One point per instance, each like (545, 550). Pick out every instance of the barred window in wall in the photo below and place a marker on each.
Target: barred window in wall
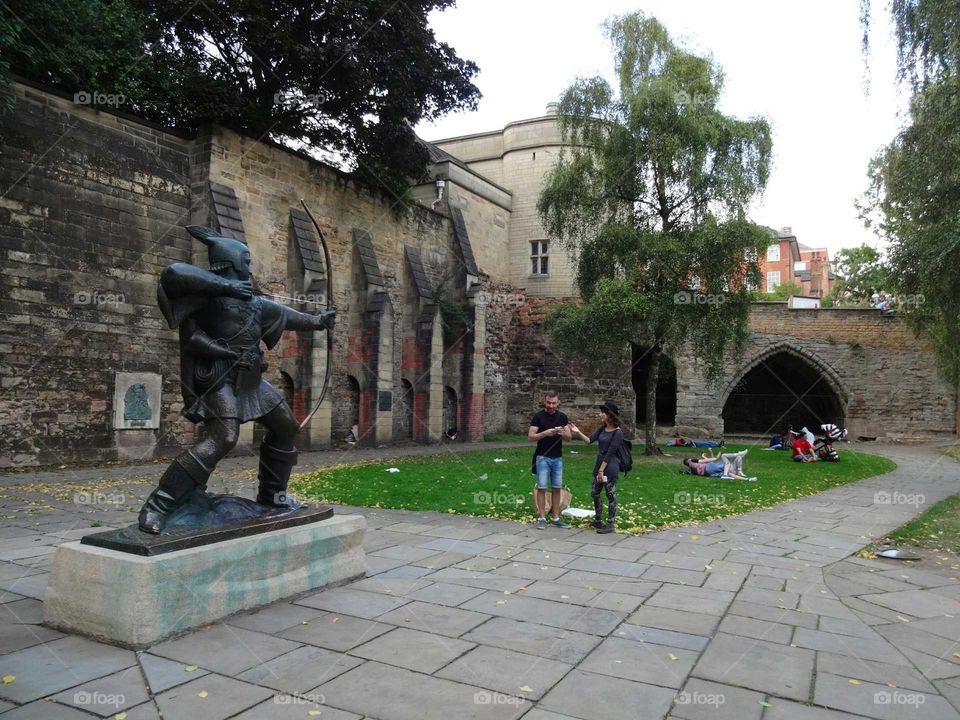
(539, 257)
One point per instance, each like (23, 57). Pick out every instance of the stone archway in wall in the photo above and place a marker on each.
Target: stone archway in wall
(666, 386)
(784, 386)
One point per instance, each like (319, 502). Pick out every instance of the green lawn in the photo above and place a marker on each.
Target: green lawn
(654, 495)
(937, 528)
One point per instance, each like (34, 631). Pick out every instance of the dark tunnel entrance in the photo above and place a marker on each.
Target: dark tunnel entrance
(783, 390)
(666, 387)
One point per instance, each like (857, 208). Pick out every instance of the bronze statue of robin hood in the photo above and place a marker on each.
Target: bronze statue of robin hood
(222, 324)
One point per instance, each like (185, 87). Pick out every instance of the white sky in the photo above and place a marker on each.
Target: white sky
(799, 65)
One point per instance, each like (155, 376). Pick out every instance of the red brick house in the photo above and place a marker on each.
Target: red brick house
(788, 261)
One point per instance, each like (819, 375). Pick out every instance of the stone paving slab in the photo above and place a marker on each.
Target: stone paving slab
(705, 700)
(566, 646)
(436, 619)
(213, 697)
(881, 701)
(757, 665)
(589, 695)
(641, 661)
(506, 671)
(224, 649)
(337, 632)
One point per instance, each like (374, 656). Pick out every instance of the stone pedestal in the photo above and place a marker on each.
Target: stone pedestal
(136, 601)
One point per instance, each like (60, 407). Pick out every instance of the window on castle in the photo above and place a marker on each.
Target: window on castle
(539, 257)
(773, 253)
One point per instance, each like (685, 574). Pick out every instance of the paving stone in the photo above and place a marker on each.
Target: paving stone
(108, 695)
(480, 563)
(224, 649)
(873, 648)
(785, 710)
(590, 580)
(337, 632)
(618, 602)
(454, 532)
(950, 689)
(590, 695)
(506, 539)
(224, 698)
(918, 603)
(943, 627)
(774, 598)
(932, 667)
(407, 572)
(546, 612)
(441, 560)
(375, 565)
(454, 545)
(408, 527)
(565, 646)
(274, 618)
(406, 553)
(289, 707)
(882, 673)
(608, 567)
(348, 601)
(772, 614)
(529, 571)
(146, 711)
(765, 582)
(487, 581)
(54, 666)
(438, 619)
(608, 552)
(545, 557)
(405, 695)
(398, 587)
(506, 671)
(16, 636)
(692, 599)
(163, 674)
(659, 636)
(560, 593)
(917, 577)
(641, 661)
(656, 573)
(676, 620)
(555, 545)
(424, 652)
(839, 626)
(43, 710)
(299, 670)
(33, 585)
(758, 665)
(880, 701)
(704, 700)
(538, 714)
(446, 594)
(759, 629)
(731, 582)
(11, 571)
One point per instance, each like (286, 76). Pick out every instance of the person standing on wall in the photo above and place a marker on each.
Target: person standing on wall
(549, 428)
(609, 438)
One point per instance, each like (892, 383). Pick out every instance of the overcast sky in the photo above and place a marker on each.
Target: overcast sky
(799, 65)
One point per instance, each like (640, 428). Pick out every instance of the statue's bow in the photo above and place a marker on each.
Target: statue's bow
(329, 268)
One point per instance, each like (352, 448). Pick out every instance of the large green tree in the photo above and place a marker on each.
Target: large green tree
(348, 78)
(859, 271)
(650, 194)
(914, 194)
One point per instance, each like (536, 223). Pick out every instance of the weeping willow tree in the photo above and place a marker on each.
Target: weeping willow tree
(913, 199)
(650, 195)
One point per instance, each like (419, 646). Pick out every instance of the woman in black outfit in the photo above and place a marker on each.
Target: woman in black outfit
(609, 438)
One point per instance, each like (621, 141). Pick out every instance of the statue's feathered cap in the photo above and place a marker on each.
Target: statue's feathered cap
(222, 252)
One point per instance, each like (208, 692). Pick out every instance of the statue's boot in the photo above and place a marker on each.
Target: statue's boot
(182, 476)
(275, 467)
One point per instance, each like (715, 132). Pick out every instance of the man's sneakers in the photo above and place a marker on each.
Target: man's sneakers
(556, 522)
(606, 529)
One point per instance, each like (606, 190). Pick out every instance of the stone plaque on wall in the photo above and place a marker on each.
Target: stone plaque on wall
(136, 401)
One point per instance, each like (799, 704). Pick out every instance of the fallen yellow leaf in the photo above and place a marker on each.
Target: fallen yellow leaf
(853, 682)
(313, 713)
(672, 656)
(7, 679)
(202, 693)
(526, 688)
(190, 668)
(120, 716)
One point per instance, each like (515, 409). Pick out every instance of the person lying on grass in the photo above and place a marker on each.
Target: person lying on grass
(728, 466)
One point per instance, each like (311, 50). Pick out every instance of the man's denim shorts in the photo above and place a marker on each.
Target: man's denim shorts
(549, 472)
